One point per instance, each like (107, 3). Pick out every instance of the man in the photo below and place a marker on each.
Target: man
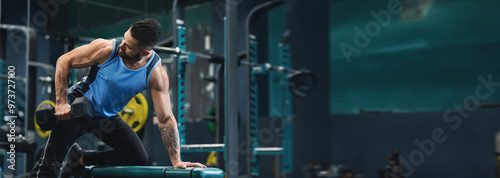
(120, 69)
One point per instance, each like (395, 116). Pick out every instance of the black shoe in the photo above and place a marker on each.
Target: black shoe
(71, 162)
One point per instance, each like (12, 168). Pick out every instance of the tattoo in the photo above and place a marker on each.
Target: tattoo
(170, 139)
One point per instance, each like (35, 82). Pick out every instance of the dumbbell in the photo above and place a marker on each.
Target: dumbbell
(82, 111)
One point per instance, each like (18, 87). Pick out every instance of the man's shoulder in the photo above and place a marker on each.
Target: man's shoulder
(104, 42)
(158, 76)
(103, 48)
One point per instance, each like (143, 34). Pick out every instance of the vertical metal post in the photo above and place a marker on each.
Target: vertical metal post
(179, 96)
(28, 99)
(177, 19)
(285, 60)
(219, 102)
(28, 35)
(2, 62)
(231, 75)
(181, 86)
(178, 8)
(1, 11)
(251, 49)
(2, 83)
(254, 113)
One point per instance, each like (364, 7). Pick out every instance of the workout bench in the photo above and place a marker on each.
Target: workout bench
(149, 171)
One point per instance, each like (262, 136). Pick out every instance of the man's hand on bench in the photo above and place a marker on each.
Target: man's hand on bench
(183, 165)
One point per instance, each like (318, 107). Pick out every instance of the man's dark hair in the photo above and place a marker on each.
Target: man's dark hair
(147, 32)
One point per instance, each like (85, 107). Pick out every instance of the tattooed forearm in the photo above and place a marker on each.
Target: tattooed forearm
(170, 139)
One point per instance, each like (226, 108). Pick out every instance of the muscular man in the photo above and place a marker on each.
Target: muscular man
(120, 69)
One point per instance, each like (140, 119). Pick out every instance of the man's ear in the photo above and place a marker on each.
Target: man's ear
(146, 52)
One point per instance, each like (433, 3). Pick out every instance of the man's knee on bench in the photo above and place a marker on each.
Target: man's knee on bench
(141, 160)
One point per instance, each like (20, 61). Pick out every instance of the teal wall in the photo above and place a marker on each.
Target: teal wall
(64, 16)
(415, 66)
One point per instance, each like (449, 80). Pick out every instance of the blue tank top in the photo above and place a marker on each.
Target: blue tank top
(111, 85)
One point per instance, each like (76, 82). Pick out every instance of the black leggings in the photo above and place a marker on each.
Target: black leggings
(127, 147)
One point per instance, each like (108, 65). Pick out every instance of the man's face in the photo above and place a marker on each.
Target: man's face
(129, 49)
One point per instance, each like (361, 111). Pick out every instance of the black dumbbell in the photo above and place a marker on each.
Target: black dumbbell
(82, 111)
(45, 117)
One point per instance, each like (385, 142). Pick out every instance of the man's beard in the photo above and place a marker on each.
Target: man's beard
(136, 57)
